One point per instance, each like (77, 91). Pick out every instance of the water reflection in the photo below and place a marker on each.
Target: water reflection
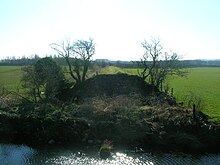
(23, 155)
(137, 159)
(15, 154)
(83, 159)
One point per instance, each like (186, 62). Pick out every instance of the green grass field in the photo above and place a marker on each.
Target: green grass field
(115, 70)
(10, 77)
(201, 82)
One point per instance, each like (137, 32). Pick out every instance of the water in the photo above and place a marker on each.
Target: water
(22, 155)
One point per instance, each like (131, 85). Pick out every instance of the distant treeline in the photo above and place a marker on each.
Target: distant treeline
(24, 61)
(200, 63)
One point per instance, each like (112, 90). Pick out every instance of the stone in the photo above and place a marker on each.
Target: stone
(51, 141)
(104, 153)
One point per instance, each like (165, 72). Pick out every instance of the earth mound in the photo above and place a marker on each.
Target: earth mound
(113, 85)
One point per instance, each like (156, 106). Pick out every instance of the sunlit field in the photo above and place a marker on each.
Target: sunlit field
(202, 83)
(10, 77)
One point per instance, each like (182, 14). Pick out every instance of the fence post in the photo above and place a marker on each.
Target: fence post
(194, 111)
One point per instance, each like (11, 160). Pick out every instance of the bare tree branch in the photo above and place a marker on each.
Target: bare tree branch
(157, 65)
(80, 52)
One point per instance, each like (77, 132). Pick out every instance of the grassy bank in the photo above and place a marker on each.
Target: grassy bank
(125, 121)
(202, 83)
(121, 108)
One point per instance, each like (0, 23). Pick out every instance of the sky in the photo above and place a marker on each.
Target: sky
(189, 27)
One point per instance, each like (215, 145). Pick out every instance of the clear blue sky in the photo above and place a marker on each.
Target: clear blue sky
(189, 27)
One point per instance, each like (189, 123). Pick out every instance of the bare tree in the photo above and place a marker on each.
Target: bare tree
(157, 65)
(77, 56)
(84, 50)
(150, 58)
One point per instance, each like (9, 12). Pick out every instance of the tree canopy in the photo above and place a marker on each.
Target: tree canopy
(43, 80)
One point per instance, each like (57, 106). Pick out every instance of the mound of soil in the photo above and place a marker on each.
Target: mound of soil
(114, 85)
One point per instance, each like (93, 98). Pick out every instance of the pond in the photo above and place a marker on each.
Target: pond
(22, 155)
